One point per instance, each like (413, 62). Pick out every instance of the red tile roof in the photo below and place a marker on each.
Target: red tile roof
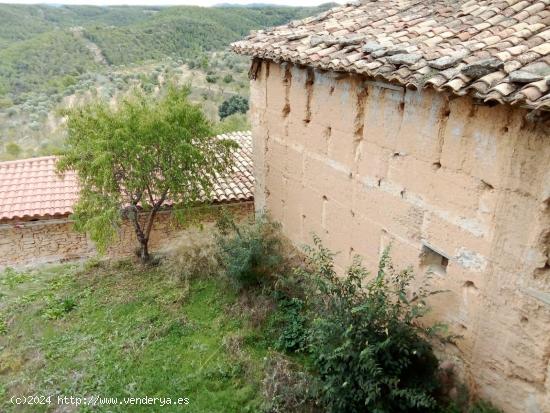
(495, 50)
(31, 188)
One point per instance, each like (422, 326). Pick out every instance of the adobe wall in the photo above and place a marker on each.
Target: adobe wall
(364, 164)
(37, 242)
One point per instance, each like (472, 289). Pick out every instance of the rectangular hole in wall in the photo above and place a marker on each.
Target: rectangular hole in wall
(433, 261)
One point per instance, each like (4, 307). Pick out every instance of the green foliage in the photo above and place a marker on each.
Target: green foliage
(13, 149)
(365, 344)
(58, 307)
(44, 63)
(228, 78)
(3, 326)
(11, 278)
(235, 104)
(211, 78)
(291, 319)
(39, 51)
(251, 254)
(137, 157)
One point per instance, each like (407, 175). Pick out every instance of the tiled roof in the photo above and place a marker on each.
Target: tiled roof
(495, 50)
(31, 188)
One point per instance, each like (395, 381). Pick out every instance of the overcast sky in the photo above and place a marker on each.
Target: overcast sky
(171, 2)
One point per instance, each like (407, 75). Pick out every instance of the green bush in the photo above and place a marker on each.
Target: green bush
(235, 104)
(251, 254)
(368, 351)
(291, 320)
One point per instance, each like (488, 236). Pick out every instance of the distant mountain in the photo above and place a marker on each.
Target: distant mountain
(44, 48)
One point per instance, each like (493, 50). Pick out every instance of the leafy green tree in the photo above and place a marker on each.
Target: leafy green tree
(134, 159)
(235, 104)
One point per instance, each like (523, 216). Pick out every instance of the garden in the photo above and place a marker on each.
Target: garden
(231, 319)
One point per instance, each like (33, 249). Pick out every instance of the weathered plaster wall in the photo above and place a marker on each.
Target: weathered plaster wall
(363, 164)
(38, 242)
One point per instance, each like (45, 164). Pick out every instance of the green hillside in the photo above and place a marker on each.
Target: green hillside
(38, 49)
(49, 61)
(64, 56)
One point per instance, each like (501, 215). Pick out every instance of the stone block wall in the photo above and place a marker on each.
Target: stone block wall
(460, 191)
(33, 243)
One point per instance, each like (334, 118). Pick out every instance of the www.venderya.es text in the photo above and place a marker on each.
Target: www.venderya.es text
(96, 400)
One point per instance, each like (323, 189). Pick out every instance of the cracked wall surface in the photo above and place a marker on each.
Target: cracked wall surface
(365, 164)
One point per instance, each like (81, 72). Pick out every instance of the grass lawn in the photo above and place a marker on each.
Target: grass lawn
(121, 331)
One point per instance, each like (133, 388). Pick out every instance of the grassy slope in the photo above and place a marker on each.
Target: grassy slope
(131, 333)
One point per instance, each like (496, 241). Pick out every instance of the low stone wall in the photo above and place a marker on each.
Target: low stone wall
(33, 243)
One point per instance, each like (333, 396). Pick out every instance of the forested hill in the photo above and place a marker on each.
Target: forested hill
(44, 48)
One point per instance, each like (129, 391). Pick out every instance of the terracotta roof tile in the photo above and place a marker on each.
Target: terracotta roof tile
(31, 188)
(365, 37)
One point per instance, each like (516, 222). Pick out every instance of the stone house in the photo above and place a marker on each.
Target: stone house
(36, 206)
(424, 125)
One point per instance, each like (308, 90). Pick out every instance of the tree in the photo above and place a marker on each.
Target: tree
(134, 159)
(235, 104)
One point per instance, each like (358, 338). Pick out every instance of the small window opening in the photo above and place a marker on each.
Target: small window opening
(433, 261)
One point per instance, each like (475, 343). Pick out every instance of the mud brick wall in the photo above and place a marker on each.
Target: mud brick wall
(460, 191)
(34, 243)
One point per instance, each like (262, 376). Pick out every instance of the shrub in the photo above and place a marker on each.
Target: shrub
(365, 344)
(211, 78)
(251, 254)
(291, 320)
(235, 104)
(228, 78)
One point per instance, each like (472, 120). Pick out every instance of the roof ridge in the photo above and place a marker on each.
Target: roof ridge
(28, 160)
(417, 44)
